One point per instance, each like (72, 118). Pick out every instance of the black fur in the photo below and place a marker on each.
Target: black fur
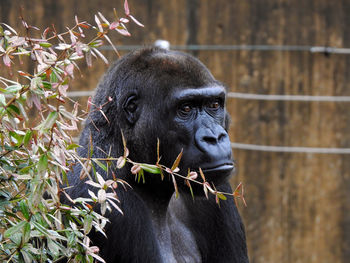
(171, 96)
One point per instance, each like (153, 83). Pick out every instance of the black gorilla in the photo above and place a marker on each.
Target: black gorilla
(171, 96)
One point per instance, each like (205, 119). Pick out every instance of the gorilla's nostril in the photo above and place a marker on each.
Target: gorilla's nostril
(210, 139)
(222, 136)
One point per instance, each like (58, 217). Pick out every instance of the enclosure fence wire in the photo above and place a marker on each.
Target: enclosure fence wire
(251, 96)
(312, 49)
(270, 97)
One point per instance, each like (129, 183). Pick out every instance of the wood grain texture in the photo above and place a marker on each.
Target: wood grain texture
(298, 204)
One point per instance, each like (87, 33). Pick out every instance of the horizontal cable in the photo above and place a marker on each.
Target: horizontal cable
(312, 49)
(85, 93)
(250, 96)
(289, 149)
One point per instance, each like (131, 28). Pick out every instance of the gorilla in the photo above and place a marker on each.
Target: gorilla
(172, 97)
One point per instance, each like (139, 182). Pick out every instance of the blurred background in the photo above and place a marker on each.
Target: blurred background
(292, 150)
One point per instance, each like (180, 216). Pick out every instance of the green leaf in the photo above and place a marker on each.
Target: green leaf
(45, 44)
(221, 196)
(104, 167)
(49, 122)
(26, 256)
(42, 164)
(14, 109)
(153, 169)
(53, 77)
(53, 247)
(27, 137)
(26, 169)
(24, 209)
(16, 238)
(48, 233)
(17, 138)
(15, 229)
(26, 232)
(2, 100)
(141, 174)
(72, 146)
(13, 88)
(87, 224)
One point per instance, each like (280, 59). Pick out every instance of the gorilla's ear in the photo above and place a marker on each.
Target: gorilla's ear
(227, 121)
(130, 107)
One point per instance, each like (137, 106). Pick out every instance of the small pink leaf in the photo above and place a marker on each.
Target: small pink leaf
(88, 58)
(121, 162)
(193, 175)
(124, 20)
(98, 22)
(104, 115)
(69, 70)
(114, 25)
(63, 90)
(103, 18)
(136, 21)
(175, 186)
(100, 55)
(126, 8)
(7, 60)
(110, 42)
(135, 169)
(73, 38)
(123, 31)
(36, 101)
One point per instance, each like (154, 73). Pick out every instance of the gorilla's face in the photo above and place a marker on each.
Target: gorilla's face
(182, 105)
(197, 124)
(191, 120)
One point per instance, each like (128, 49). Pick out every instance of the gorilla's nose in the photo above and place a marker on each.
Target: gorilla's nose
(214, 142)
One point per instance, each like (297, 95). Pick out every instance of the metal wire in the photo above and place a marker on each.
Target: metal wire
(251, 96)
(312, 49)
(289, 149)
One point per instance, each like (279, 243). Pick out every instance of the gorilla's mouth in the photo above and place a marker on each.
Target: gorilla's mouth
(224, 169)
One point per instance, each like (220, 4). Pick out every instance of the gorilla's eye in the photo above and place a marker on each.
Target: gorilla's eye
(131, 107)
(130, 104)
(186, 108)
(214, 105)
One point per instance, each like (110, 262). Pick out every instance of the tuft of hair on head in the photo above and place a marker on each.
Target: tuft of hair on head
(164, 44)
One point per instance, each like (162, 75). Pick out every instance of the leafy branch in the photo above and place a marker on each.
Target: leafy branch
(36, 152)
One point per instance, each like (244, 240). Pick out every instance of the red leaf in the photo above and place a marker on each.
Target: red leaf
(177, 161)
(45, 32)
(84, 25)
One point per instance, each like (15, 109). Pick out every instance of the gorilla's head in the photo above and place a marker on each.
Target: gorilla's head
(170, 96)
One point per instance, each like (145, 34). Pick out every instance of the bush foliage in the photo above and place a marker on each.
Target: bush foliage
(37, 153)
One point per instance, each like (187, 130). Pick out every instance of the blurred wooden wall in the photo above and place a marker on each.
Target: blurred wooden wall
(298, 203)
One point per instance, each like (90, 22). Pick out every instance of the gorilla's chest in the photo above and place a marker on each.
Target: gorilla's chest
(175, 240)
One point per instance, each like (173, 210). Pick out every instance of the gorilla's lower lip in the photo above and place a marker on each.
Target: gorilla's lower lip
(222, 168)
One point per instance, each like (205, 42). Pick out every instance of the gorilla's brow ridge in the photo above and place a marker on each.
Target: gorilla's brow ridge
(205, 92)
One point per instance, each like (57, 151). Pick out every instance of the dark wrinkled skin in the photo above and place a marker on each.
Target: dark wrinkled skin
(171, 96)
